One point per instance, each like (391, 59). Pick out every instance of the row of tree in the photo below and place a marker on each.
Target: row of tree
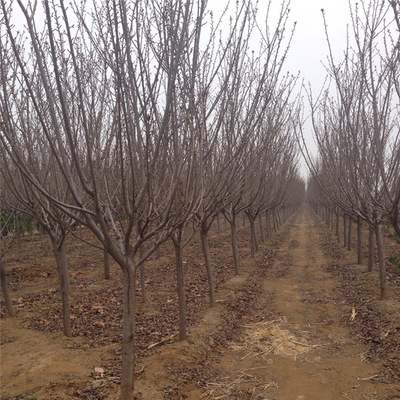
(356, 123)
(139, 120)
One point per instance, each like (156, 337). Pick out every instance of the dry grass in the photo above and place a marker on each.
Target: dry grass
(270, 338)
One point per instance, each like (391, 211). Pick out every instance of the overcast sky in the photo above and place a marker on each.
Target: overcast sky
(309, 47)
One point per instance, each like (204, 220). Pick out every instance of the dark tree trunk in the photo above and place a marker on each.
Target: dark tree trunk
(261, 228)
(349, 235)
(337, 226)
(359, 241)
(128, 331)
(142, 275)
(279, 219)
(269, 227)
(207, 260)
(235, 251)
(371, 244)
(63, 275)
(345, 230)
(274, 221)
(177, 240)
(6, 293)
(142, 269)
(381, 256)
(253, 236)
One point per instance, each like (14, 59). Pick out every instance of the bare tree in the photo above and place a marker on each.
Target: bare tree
(106, 114)
(54, 222)
(355, 130)
(111, 90)
(7, 231)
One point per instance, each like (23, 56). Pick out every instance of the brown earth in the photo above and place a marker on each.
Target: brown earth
(301, 322)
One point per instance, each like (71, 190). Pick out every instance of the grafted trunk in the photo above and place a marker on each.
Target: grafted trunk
(359, 241)
(128, 331)
(381, 256)
(235, 251)
(207, 260)
(106, 264)
(370, 248)
(6, 293)
(177, 240)
(63, 276)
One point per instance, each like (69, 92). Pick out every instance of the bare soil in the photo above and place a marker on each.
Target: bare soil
(301, 322)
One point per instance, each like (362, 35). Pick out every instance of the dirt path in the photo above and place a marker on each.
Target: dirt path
(304, 352)
(291, 344)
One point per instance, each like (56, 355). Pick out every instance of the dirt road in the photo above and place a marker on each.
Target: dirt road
(290, 344)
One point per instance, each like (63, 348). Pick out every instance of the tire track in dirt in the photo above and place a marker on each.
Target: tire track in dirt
(300, 350)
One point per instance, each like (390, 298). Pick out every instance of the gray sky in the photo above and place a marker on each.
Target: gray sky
(309, 48)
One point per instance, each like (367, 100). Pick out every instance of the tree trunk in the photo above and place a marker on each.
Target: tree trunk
(128, 329)
(261, 229)
(218, 224)
(235, 251)
(207, 260)
(253, 237)
(269, 227)
(274, 221)
(381, 256)
(142, 275)
(279, 219)
(6, 293)
(345, 230)
(337, 226)
(349, 236)
(180, 285)
(63, 276)
(141, 268)
(106, 264)
(370, 248)
(359, 241)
